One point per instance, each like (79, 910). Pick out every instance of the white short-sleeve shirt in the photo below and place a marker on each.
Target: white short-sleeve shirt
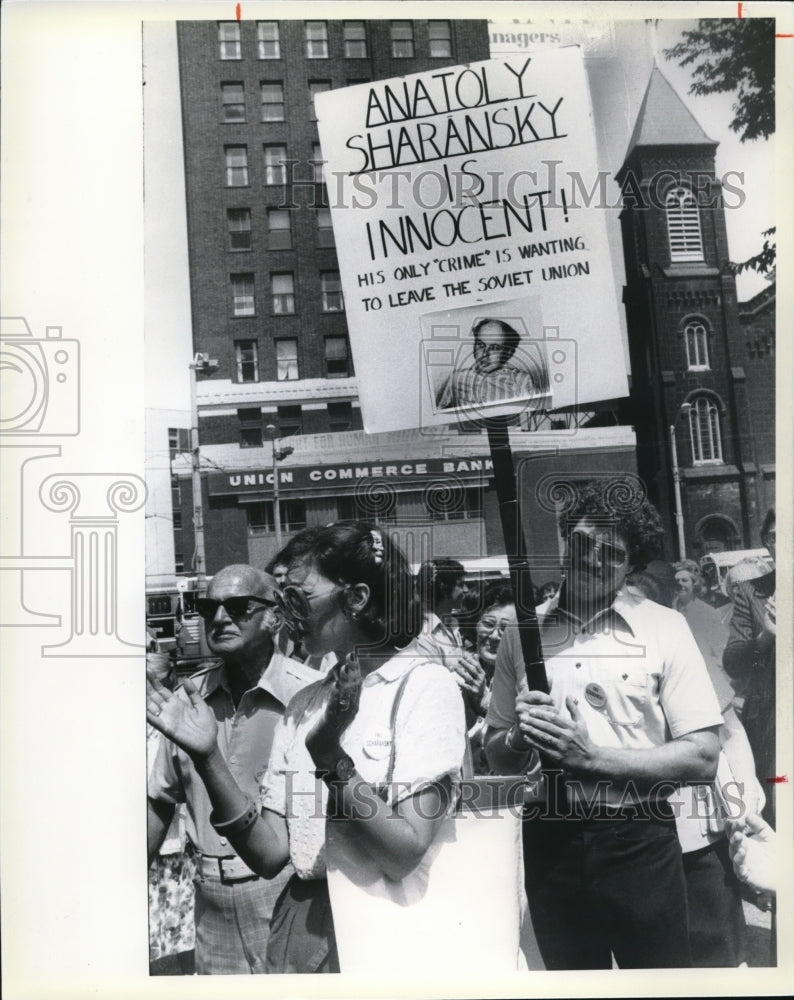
(429, 744)
(634, 672)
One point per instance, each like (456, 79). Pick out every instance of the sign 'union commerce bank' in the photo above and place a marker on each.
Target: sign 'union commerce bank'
(306, 477)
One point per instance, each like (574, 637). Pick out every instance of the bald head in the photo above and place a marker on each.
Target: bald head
(240, 578)
(243, 640)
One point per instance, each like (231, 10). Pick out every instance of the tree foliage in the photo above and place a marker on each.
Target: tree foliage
(734, 55)
(763, 262)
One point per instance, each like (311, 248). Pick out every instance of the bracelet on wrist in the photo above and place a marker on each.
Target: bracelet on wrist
(247, 818)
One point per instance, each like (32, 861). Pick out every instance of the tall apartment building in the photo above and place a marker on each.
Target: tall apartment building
(266, 297)
(267, 304)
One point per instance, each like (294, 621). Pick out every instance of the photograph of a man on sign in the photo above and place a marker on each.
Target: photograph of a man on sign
(499, 370)
(480, 357)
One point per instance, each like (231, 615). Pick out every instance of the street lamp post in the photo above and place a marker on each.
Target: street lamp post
(278, 455)
(206, 365)
(679, 513)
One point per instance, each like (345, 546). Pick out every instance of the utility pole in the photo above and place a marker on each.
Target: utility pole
(679, 513)
(206, 366)
(278, 455)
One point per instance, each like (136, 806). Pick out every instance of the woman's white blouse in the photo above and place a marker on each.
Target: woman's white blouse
(429, 745)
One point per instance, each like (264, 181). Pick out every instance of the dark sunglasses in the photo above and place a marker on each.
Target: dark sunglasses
(237, 608)
(293, 602)
(587, 547)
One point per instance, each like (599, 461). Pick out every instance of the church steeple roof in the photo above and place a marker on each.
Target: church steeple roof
(664, 119)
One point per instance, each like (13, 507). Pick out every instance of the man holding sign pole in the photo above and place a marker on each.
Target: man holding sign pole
(631, 713)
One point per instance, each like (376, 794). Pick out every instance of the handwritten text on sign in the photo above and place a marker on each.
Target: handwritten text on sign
(450, 190)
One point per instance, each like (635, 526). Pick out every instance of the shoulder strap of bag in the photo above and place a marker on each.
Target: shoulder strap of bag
(467, 765)
(393, 721)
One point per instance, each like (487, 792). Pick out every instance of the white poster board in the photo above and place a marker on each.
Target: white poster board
(477, 279)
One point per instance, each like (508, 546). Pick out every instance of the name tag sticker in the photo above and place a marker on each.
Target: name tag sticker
(595, 695)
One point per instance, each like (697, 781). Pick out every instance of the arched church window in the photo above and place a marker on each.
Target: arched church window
(704, 430)
(696, 343)
(683, 225)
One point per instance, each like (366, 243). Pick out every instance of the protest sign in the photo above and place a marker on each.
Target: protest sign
(475, 281)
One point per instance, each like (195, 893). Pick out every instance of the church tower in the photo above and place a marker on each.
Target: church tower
(689, 397)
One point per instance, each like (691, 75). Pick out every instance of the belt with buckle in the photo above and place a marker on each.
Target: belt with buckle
(232, 869)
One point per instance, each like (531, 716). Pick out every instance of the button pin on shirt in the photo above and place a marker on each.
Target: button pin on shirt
(377, 745)
(595, 695)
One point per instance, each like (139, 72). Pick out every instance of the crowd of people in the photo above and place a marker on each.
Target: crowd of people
(319, 757)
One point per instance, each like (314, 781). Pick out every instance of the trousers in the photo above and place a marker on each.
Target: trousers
(233, 923)
(604, 887)
(717, 929)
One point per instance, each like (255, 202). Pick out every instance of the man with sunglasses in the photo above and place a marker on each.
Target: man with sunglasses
(247, 688)
(631, 713)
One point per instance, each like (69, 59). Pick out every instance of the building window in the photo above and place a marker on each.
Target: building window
(316, 39)
(704, 431)
(238, 221)
(317, 163)
(272, 101)
(697, 346)
(290, 421)
(282, 287)
(236, 166)
(316, 87)
(287, 360)
(355, 37)
(246, 354)
(325, 231)
(340, 417)
(683, 225)
(229, 40)
(440, 33)
(260, 516)
(402, 39)
(250, 427)
(453, 503)
(279, 229)
(275, 167)
(268, 41)
(336, 365)
(233, 97)
(178, 441)
(331, 292)
(242, 295)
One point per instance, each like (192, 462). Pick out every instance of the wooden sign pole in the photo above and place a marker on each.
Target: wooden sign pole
(515, 548)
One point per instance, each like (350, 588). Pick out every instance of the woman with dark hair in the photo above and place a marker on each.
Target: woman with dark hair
(375, 748)
(498, 614)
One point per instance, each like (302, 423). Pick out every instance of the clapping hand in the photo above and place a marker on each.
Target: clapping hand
(189, 724)
(469, 675)
(341, 705)
(752, 847)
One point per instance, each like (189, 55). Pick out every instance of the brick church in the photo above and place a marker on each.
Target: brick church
(702, 364)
